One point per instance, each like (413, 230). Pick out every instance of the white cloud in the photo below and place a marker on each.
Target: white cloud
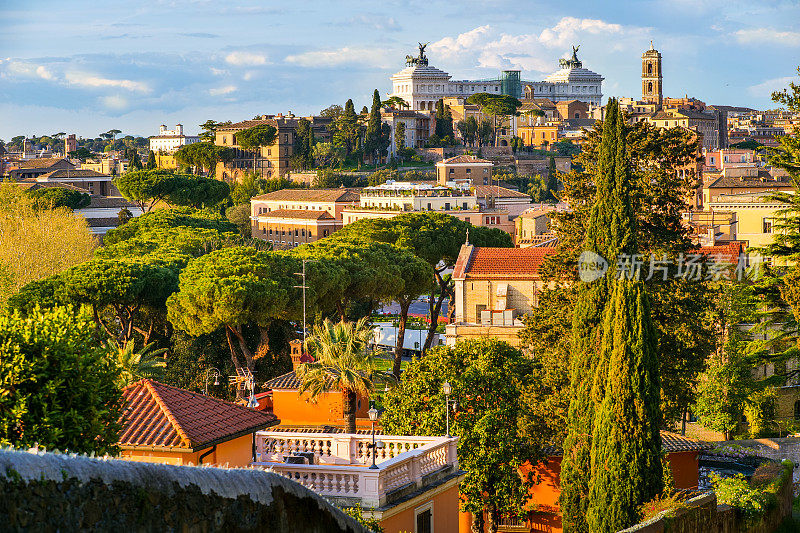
(115, 102)
(88, 80)
(768, 35)
(218, 71)
(219, 91)
(530, 51)
(375, 21)
(21, 68)
(568, 29)
(374, 57)
(766, 88)
(245, 59)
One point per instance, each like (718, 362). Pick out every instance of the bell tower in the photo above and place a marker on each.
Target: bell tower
(651, 76)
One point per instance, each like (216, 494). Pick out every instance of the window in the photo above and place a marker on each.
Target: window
(766, 226)
(424, 518)
(452, 171)
(465, 205)
(324, 233)
(466, 219)
(469, 171)
(797, 410)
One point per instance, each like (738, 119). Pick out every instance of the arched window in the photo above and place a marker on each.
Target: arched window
(650, 88)
(797, 410)
(649, 68)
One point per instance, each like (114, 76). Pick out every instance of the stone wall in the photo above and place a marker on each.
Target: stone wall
(702, 514)
(48, 492)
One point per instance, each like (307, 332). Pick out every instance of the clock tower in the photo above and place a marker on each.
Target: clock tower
(651, 76)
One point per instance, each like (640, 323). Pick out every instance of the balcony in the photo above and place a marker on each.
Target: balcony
(336, 465)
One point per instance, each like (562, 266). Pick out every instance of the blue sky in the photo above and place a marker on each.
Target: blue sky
(86, 67)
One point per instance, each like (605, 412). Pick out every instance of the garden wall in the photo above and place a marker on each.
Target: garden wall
(48, 492)
(702, 514)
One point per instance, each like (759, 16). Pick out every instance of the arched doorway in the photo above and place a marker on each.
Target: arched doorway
(503, 143)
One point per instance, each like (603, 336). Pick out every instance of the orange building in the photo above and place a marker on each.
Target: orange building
(164, 424)
(294, 409)
(682, 454)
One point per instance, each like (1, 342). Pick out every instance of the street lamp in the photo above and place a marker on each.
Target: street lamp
(216, 375)
(373, 416)
(447, 390)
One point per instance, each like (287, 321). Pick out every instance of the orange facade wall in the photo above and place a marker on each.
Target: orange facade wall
(544, 496)
(294, 410)
(235, 453)
(445, 514)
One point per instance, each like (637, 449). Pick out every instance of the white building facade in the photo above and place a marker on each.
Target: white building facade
(422, 85)
(171, 140)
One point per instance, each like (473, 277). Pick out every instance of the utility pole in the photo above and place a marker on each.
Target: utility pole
(304, 287)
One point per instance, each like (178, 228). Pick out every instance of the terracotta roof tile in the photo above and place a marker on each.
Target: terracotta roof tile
(736, 182)
(728, 253)
(161, 416)
(311, 195)
(500, 262)
(305, 214)
(44, 162)
(464, 159)
(670, 443)
(73, 173)
(498, 192)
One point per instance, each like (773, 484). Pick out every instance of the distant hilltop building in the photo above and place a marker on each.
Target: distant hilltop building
(171, 140)
(422, 85)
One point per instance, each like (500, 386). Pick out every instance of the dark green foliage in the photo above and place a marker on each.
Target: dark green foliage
(257, 136)
(239, 215)
(304, 141)
(373, 142)
(151, 161)
(146, 188)
(346, 130)
(203, 156)
(44, 293)
(488, 379)
(468, 128)
(552, 180)
(53, 197)
(566, 148)
(169, 218)
(400, 137)
(57, 383)
(198, 192)
(231, 288)
(626, 444)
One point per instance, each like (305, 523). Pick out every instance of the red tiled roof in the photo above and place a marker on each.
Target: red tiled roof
(163, 417)
(464, 159)
(500, 262)
(729, 253)
(498, 192)
(311, 195)
(43, 162)
(670, 443)
(304, 214)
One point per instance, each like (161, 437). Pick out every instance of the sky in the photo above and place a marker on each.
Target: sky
(87, 67)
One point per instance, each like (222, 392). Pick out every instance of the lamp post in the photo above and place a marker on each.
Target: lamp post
(216, 375)
(447, 390)
(373, 416)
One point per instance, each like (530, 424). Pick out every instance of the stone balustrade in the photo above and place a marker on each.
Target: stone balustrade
(341, 462)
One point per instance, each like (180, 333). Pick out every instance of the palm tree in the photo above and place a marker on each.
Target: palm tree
(146, 363)
(343, 361)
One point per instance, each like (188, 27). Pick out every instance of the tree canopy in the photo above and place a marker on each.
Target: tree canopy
(257, 136)
(52, 197)
(230, 288)
(488, 379)
(58, 384)
(203, 156)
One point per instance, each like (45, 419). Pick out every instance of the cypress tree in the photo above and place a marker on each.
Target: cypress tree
(372, 138)
(447, 124)
(552, 180)
(151, 161)
(626, 467)
(439, 118)
(608, 234)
